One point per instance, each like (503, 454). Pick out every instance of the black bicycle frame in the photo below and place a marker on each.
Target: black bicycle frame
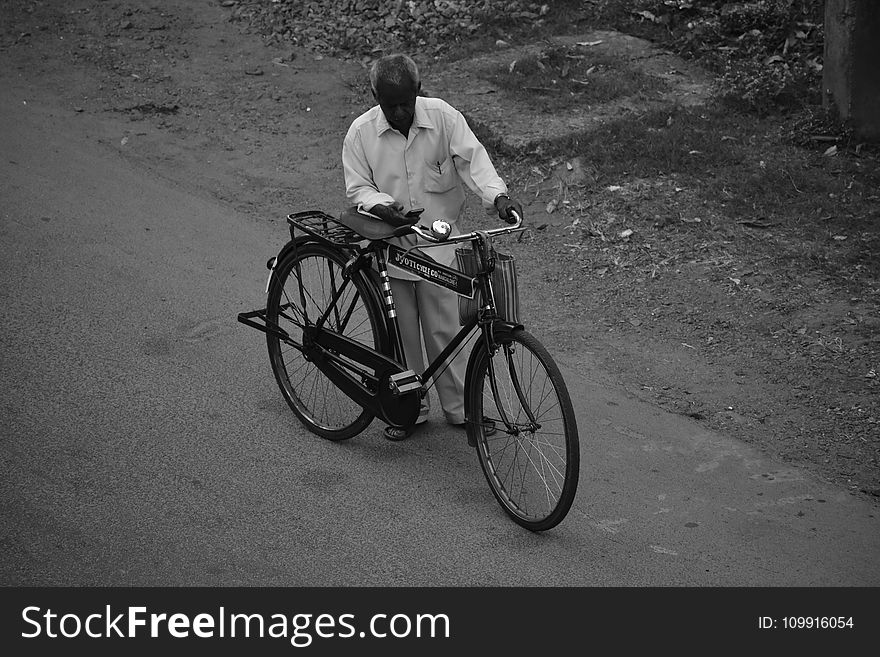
(367, 375)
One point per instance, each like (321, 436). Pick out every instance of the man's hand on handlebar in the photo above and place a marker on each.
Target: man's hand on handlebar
(393, 214)
(506, 207)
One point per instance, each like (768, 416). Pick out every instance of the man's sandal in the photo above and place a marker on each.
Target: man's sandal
(397, 434)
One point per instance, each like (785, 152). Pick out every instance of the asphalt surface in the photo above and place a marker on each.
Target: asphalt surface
(144, 441)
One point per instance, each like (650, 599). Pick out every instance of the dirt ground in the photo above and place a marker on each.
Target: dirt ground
(784, 362)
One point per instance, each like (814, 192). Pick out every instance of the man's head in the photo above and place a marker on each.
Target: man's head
(394, 80)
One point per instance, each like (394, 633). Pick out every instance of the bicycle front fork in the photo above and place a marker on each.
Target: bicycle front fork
(507, 349)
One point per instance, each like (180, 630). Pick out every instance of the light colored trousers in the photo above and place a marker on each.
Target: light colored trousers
(428, 315)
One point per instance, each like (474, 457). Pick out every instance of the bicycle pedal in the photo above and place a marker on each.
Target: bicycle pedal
(404, 382)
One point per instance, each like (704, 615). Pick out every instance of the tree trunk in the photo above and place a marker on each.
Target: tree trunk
(851, 74)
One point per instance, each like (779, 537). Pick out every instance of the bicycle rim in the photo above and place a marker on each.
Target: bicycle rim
(532, 462)
(322, 407)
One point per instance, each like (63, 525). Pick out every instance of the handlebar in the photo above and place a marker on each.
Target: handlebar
(426, 233)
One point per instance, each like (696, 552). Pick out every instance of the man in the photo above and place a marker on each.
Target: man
(415, 152)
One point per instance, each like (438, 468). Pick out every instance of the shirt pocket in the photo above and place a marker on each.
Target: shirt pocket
(440, 176)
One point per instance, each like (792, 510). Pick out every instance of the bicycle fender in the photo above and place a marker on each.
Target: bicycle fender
(503, 327)
(272, 263)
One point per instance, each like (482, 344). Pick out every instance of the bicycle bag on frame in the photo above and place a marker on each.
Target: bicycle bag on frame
(504, 285)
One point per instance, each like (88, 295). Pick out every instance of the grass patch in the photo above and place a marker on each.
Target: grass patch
(681, 141)
(562, 77)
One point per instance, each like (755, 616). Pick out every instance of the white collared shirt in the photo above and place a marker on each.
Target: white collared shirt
(426, 169)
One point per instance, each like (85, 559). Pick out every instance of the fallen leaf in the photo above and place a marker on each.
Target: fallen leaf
(551, 206)
(831, 152)
(646, 14)
(626, 233)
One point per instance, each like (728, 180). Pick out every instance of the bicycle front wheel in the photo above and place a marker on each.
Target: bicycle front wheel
(305, 283)
(527, 441)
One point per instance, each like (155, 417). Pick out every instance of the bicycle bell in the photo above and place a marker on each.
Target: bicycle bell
(441, 229)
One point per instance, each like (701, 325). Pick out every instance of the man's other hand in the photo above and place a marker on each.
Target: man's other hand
(506, 207)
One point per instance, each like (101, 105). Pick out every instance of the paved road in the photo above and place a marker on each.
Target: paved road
(144, 441)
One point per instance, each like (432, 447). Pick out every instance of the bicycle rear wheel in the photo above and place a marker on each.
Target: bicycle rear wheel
(305, 282)
(532, 461)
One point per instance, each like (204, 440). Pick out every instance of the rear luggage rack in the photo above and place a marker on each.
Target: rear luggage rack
(323, 226)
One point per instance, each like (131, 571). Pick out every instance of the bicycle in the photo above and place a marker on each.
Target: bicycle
(336, 353)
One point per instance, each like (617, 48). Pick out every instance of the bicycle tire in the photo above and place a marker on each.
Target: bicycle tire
(322, 407)
(532, 469)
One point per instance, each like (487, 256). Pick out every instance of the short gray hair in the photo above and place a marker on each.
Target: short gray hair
(394, 69)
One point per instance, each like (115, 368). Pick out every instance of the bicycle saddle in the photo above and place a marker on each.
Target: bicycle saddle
(369, 225)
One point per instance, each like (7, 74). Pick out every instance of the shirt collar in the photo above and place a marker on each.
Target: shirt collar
(420, 119)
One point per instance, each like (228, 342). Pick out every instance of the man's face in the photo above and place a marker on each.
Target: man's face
(398, 103)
